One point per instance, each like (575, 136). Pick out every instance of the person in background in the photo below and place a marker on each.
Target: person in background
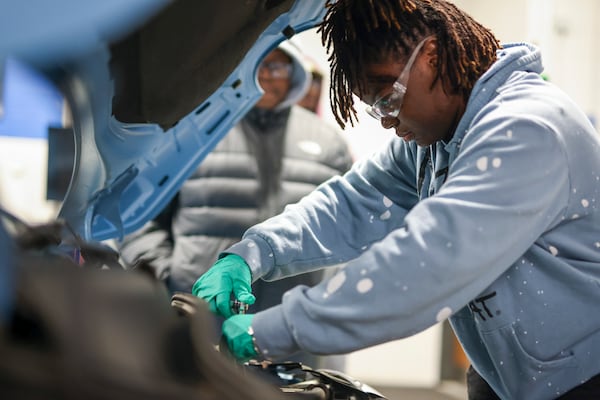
(275, 155)
(312, 99)
(484, 210)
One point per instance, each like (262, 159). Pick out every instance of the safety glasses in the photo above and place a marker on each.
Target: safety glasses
(389, 104)
(276, 69)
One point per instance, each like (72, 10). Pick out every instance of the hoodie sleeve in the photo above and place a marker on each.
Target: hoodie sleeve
(338, 221)
(429, 262)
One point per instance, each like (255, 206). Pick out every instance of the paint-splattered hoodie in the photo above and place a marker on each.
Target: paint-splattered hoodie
(498, 230)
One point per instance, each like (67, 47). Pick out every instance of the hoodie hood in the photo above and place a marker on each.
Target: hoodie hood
(301, 76)
(511, 58)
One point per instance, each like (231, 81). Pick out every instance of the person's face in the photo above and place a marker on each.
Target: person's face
(311, 99)
(425, 113)
(274, 76)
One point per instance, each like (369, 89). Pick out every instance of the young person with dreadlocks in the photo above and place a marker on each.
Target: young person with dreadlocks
(484, 210)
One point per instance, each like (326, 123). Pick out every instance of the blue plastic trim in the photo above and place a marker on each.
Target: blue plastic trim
(125, 174)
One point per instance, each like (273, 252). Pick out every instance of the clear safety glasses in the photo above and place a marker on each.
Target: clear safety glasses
(389, 104)
(276, 69)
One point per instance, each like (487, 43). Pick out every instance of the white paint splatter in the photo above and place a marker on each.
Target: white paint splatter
(364, 285)
(251, 244)
(387, 202)
(482, 163)
(496, 162)
(509, 134)
(270, 254)
(597, 244)
(585, 203)
(553, 250)
(336, 282)
(443, 314)
(385, 216)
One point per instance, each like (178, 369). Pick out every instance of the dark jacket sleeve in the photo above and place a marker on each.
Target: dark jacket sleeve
(152, 244)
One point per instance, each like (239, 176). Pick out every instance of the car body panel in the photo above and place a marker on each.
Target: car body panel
(128, 165)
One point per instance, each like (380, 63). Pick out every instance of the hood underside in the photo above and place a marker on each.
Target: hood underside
(148, 104)
(181, 56)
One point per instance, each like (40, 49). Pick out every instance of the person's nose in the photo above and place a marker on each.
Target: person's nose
(389, 122)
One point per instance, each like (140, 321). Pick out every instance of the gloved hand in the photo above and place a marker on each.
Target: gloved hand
(237, 334)
(229, 274)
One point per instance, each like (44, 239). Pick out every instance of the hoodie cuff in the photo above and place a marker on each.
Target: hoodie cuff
(272, 335)
(257, 253)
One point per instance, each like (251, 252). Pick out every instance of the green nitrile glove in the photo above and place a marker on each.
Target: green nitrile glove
(238, 336)
(229, 274)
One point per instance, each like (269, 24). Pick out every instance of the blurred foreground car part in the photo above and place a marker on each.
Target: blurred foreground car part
(80, 332)
(292, 378)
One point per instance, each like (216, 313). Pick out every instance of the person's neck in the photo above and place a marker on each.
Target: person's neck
(459, 111)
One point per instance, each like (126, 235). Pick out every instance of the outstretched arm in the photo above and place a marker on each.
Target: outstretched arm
(152, 244)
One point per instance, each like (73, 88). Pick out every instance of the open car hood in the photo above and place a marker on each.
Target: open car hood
(152, 85)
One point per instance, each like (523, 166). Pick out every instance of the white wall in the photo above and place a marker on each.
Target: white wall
(23, 166)
(565, 30)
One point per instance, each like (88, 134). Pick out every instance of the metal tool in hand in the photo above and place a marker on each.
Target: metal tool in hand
(238, 307)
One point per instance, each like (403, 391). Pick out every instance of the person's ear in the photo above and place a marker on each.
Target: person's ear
(431, 52)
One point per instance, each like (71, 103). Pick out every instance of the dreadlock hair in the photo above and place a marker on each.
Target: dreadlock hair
(356, 32)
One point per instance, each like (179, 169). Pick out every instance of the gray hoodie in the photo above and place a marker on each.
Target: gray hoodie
(498, 230)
